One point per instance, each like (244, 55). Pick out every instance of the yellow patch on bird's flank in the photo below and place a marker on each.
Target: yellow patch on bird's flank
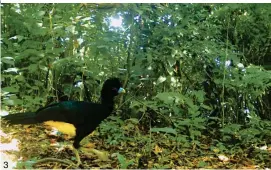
(62, 127)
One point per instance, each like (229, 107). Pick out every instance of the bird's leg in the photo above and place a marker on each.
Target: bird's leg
(75, 151)
(77, 157)
(80, 134)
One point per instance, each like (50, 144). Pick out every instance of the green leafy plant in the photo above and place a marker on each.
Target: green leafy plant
(123, 161)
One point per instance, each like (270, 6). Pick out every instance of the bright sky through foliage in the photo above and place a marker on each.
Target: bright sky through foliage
(115, 22)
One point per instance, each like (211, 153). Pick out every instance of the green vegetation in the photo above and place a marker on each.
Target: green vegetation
(198, 80)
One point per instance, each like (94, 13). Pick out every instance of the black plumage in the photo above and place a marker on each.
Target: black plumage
(84, 116)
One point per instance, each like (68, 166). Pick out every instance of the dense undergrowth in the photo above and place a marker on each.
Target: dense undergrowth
(197, 76)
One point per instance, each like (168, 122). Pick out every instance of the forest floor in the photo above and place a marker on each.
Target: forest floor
(33, 146)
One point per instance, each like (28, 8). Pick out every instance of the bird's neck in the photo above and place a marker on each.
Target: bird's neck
(108, 102)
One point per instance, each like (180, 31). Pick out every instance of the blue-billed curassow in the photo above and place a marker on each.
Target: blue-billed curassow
(84, 116)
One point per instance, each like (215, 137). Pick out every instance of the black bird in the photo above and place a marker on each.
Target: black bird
(84, 116)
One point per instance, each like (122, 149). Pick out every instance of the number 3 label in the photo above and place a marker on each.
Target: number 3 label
(5, 165)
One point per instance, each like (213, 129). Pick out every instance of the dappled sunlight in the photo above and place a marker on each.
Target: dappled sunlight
(12, 146)
(5, 149)
(4, 113)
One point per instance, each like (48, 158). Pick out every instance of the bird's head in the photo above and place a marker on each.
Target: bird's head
(112, 87)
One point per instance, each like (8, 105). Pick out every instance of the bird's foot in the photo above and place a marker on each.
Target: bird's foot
(75, 151)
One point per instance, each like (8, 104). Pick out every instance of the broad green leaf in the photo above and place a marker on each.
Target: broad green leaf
(202, 164)
(41, 13)
(17, 101)
(10, 89)
(33, 67)
(20, 78)
(13, 102)
(70, 28)
(8, 60)
(165, 97)
(165, 130)
(9, 70)
(161, 79)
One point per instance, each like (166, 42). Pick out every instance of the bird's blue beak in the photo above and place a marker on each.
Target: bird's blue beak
(121, 90)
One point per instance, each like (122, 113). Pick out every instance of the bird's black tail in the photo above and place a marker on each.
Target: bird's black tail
(21, 118)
